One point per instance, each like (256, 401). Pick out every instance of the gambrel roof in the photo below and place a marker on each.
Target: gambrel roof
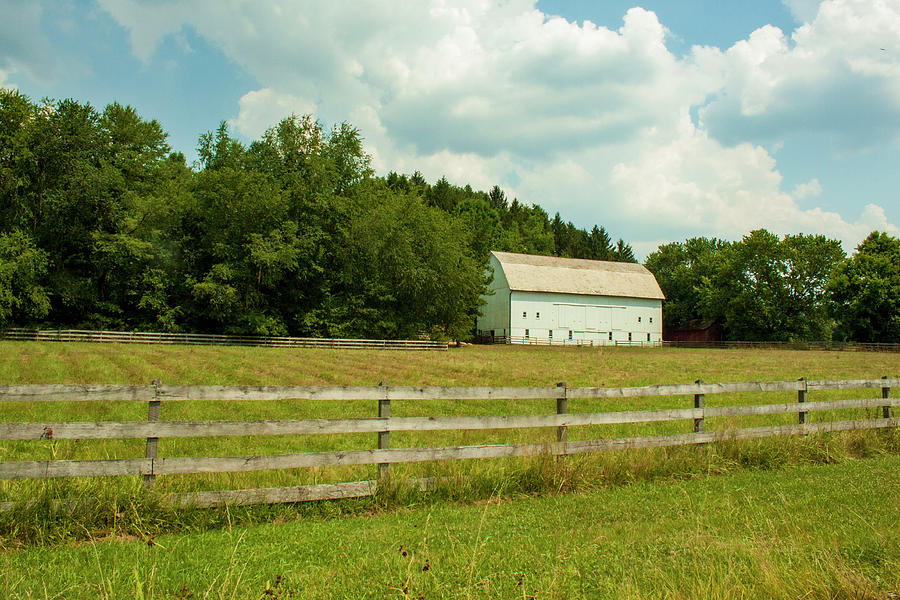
(530, 273)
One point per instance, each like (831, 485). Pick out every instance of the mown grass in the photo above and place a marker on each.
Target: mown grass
(30, 362)
(805, 531)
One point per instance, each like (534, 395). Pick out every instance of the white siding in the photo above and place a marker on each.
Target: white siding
(589, 318)
(495, 313)
(549, 316)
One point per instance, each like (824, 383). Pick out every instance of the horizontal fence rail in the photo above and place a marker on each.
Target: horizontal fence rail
(822, 345)
(564, 341)
(150, 466)
(204, 339)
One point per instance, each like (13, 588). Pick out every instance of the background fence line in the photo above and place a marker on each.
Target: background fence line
(150, 465)
(209, 339)
(815, 345)
(820, 345)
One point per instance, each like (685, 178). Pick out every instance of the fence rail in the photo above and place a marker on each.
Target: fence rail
(204, 339)
(150, 466)
(563, 341)
(821, 345)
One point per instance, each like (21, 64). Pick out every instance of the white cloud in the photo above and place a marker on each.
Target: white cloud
(811, 188)
(148, 22)
(585, 119)
(838, 76)
(803, 10)
(695, 183)
(261, 109)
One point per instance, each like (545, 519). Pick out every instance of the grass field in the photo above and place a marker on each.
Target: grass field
(800, 532)
(31, 362)
(239, 538)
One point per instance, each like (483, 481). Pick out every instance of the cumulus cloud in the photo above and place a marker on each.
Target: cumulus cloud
(811, 188)
(590, 120)
(838, 76)
(261, 109)
(694, 182)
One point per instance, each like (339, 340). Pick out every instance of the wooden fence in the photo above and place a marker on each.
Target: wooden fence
(151, 466)
(209, 339)
(563, 341)
(731, 345)
(823, 345)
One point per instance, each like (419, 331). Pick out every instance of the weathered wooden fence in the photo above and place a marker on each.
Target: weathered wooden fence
(563, 341)
(729, 345)
(821, 345)
(151, 466)
(209, 339)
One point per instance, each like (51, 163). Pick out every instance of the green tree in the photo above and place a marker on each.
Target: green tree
(242, 246)
(408, 270)
(680, 269)
(23, 298)
(623, 252)
(865, 289)
(90, 190)
(600, 244)
(770, 289)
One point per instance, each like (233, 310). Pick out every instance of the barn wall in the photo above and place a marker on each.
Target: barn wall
(586, 317)
(495, 314)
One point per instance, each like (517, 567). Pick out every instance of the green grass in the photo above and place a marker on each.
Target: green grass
(26, 362)
(806, 531)
(782, 518)
(31, 362)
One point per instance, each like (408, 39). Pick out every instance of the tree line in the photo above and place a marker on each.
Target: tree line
(793, 288)
(103, 225)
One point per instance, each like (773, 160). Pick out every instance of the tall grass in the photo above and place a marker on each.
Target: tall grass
(805, 531)
(53, 511)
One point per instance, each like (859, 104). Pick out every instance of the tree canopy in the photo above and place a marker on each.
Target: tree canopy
(865, 291)
(103, 225)
(761, 288)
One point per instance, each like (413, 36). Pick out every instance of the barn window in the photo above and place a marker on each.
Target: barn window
(629, 336)
(610, 336)
(537, 315)
(639, 319)
(648, 337)
(651, 319)
(526, 333)
(570, 334)
(524, 314)
(551, 334)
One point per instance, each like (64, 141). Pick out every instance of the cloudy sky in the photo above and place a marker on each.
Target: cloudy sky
(660, 120)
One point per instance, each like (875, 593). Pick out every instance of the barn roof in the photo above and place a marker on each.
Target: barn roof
(529, 273)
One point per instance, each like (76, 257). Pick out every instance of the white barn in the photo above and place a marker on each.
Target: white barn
(545, 299)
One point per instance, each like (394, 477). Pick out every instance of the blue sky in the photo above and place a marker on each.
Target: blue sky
(660, 120)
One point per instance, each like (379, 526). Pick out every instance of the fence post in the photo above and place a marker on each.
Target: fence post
(698, 403)
(562, 408)
(801, 398)
(152, 417)
(885, 393)
(384, 437)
